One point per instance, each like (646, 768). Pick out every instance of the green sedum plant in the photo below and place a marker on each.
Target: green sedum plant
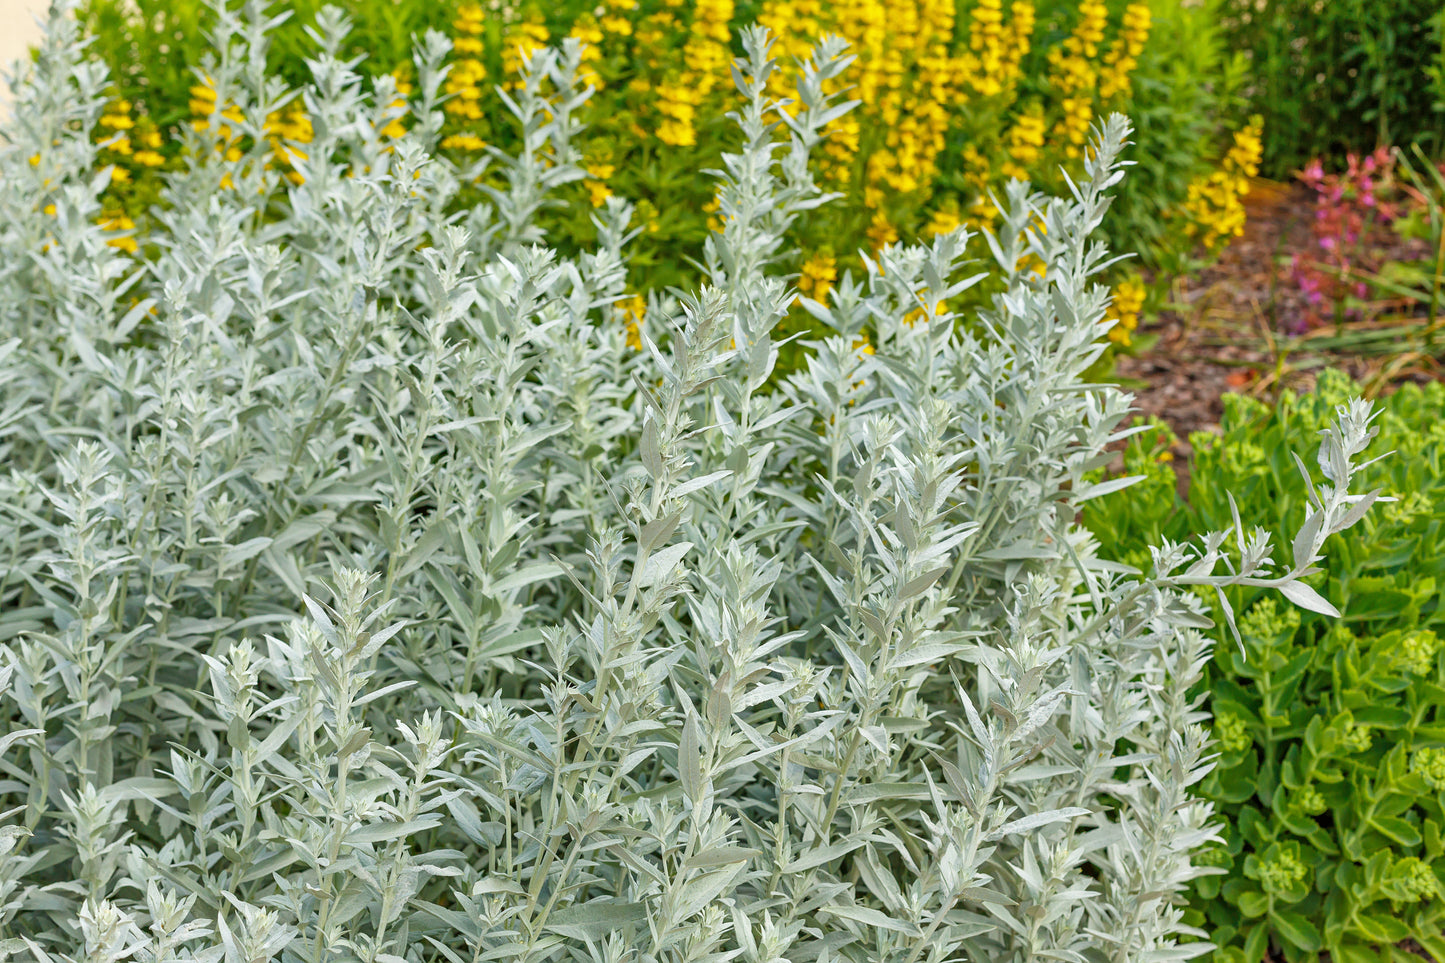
(364, 597)
(1330, 733)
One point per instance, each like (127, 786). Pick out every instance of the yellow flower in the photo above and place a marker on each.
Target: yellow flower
(1025, 140)
(615, 24)
(597, 192)
(120, 175)
(1214, 202)
(881, 231)
(522, 40)
(402, 76)
(469, 142)
(919, 314)
(633, 311)
(471, 18)
(1123, 54)
(1128, 301)
(991, 65)
(942, 221)
(116, 221)
(149, 158)
(818, 274)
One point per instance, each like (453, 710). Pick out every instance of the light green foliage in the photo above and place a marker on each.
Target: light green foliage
(364, 597)
(1331, 737)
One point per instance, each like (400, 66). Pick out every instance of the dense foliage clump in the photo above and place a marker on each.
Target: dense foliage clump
(1342, 77)
(365, 596)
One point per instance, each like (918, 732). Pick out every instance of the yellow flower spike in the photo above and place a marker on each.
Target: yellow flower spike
(1127, 303)
(402, 76)
(1214, 202)
(818, 275)
(942, 221)
(35, 160)
(633, 311)
(919, 314)
(50, 210)
(597, 192)
(470, 18)
(1122, 57)
(881, 231)
(116, 221)
(467, 142)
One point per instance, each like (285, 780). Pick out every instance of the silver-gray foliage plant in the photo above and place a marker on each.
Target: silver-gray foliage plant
(364, 597)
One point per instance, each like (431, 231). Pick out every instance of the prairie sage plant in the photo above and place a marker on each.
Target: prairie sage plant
(364, 595)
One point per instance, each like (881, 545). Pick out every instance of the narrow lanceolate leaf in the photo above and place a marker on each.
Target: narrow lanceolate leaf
(1307, 598)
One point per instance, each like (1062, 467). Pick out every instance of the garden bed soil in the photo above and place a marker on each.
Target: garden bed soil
(1218, 333)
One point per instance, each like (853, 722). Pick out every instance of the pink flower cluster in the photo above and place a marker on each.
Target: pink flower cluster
(1348, 206)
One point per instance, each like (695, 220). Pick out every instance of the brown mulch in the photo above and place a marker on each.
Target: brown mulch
(1216, 336)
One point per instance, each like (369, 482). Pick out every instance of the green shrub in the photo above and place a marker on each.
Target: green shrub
(364, 596)
(1338, 77)
(1331, 733)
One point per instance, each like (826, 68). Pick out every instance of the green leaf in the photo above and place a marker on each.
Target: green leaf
(1252, 903)
(1297, 929)
(1399, 830)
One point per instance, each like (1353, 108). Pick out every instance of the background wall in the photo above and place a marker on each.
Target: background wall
(18, 31)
